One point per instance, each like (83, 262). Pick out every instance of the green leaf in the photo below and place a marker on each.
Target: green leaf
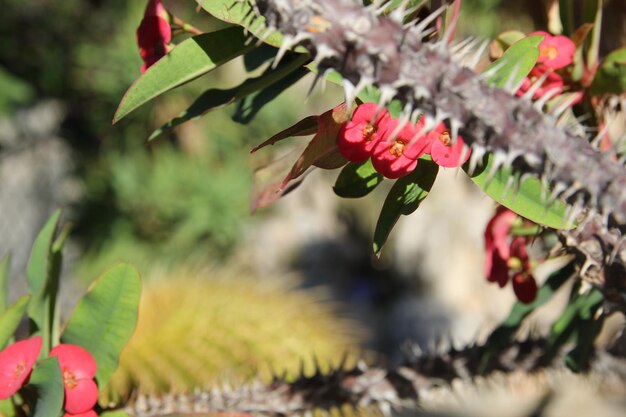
(5, 271)
(525, 199)
(6, 408)
(593, 53)
(357, 180)
(404, 198)
(189, 60)
(506, 331)
(251, 104)
(240, 13)
(581, 308)
(611, 76)
(47, 383)
(43, 273)
(214, 98)
(121, 413)
(10, 319)
(105, 318)
(516, 62)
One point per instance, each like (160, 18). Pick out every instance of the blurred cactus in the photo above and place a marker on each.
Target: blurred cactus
(192, 329)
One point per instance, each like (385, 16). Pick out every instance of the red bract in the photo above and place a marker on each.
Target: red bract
(505, 254)
(397, 157)
(524, 287)
(358, 137)
(90, 413)
(153, 34)
(555, 51)
(16, 363)
(443, 151)
(553, 82)
(497, 247)
(78, 368)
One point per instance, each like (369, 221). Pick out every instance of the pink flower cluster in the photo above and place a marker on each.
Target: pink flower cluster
(506, 256)
(394, 150)
(555, 53)
(77, 365)
(153, 34)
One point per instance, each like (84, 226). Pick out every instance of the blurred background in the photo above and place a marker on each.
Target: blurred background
(239, 292)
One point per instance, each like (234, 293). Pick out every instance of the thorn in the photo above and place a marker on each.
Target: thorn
(510, 85)
(322, 52)
(284, 47)
(509, 184)
(498, 160)
(429, 19)
(478, 152)
(397, 14)
(616, 249)
(463, 46)
(598, 138)
(387, 93)
(559, 111)
(541, 101)
(558, 189)
(473, 63)
(485, 76)
(455, 125)
(530, 93)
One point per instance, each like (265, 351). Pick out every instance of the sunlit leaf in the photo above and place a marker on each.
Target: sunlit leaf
(516, 62)
(357, 180)
(240, 13)
(105, 318)
(528, 199)
(214, 97)
(189, 60)
(42, 274)
(46, 382)
(404, 198)
(10, 319)
(252, 103)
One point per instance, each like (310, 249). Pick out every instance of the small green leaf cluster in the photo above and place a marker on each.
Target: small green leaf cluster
(98, 328)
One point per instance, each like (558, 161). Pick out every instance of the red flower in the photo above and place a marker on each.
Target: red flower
(16, 363)
(78, 368)
(89, 413)
(497, 247)
(397, 157)
(503, 256)
(553, 81)
(555, 51)
(153, 34)
(443, 151)
(524, 287)
(357, 138)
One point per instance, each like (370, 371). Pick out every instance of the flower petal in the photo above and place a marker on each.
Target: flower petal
(449, 156)
(76, 359)
(525, 287)
(16, 363)
(89, 413)
(82, 397)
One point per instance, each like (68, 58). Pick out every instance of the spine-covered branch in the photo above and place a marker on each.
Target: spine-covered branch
(371, 49)
(360, 387)
(367, 48)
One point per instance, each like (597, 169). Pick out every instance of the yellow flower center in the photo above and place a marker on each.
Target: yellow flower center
(397, 148)
(69, 380)
(444, 137)
(549, 52)
(368, 132)
(19, 369)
